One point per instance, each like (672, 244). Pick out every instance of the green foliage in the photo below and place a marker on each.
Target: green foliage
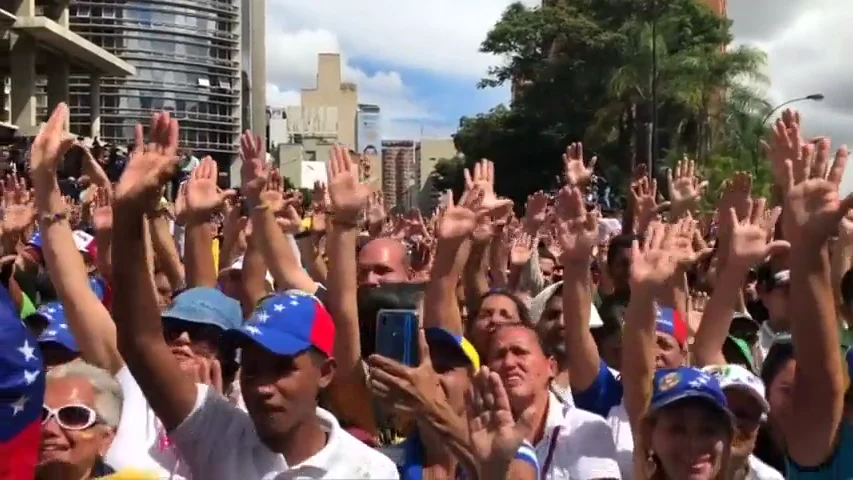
(448, 174)
(583, 69)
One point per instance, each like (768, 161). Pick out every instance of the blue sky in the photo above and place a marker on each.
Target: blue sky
(419, 61)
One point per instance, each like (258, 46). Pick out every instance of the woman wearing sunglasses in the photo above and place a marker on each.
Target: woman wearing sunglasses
(82, 407)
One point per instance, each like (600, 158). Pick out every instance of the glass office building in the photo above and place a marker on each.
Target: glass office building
(187, 56)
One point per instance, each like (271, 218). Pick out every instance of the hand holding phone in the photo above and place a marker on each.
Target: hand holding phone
(397, 336)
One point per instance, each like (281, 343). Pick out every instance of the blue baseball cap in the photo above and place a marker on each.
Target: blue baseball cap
(57, 331)
(675, 384)
(207, 306)
(288, 324)
(439, 335)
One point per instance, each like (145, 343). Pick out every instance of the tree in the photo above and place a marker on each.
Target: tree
(582, 71)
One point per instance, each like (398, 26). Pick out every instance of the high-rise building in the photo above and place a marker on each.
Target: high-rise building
(400, 174)
(332, 92)
(187, 55)
(43, 53)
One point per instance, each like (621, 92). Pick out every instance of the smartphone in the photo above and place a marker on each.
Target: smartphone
(397, 335)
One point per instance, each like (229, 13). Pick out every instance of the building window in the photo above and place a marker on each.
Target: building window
(82, 11)
(109, 12)
(310, 156)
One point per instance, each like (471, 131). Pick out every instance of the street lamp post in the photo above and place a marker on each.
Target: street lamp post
(815, 97)
(653, 134)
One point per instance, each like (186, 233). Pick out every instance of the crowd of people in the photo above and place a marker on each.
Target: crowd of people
(234, 334)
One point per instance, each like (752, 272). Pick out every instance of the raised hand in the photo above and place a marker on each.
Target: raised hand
(652, 265)
(50, 146)
(576, 173)
(459, 221)
(272, 194)
(483, 177)
(376, 213)
(150, 166)
(405, 389)
(685, 186)
(536, 211)
(495, 434)
(749, 237)
(813, 206)
(645, 194)
(786, 143)
(254, 168)
(18, 210)
(347, 193)
(102, 210)
(521, 248)
(577, 229)
(203, 197)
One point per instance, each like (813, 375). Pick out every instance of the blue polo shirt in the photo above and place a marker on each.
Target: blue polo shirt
(603, 394)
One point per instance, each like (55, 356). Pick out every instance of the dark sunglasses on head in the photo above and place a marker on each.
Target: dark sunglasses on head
(70, 417)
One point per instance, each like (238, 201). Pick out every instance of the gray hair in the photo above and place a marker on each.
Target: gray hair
(108, 395)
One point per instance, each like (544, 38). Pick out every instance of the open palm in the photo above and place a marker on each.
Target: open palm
(749, 245)
(151, 164)
(203, 196)
(653, 265)
(458, 221)
(495, 434)
(347, 193)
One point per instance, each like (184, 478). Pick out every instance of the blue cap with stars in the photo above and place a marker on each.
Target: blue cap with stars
(22, 384)
(57, 331)
(675, 384)
(288, 324)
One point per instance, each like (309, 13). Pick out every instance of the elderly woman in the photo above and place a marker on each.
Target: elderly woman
(82, 407)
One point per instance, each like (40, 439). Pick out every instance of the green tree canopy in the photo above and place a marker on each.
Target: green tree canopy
(582, 71)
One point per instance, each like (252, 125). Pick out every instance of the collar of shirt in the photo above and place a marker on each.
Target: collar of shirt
(331, 454)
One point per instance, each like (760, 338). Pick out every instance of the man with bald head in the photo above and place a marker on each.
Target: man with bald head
(383, 260)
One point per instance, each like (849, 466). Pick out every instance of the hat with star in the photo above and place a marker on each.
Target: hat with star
(288, 323)
(671, 385)
(57, 331)
(22, 385)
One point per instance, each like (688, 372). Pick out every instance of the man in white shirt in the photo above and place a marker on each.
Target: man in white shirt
(570, 442)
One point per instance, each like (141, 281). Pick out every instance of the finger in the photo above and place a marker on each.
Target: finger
(501, 399)
(388, 365)
(836, 172)
(757, 210)
(777, 247)
(216, 376)
(138, 139)
(423, 348)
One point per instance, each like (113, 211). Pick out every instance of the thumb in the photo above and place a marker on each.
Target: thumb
(846, 205)
(778, 246)
(423, 348)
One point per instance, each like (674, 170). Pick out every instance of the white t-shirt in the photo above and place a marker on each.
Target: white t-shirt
(583, 449)
(218, 441)
(759, 470)
(141, 442)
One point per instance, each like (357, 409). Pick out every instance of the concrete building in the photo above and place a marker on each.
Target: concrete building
(330, 91)
(430, 151)
(188, 56)
(400, 174)
(41, 46)
(303, 145)
(368, 133)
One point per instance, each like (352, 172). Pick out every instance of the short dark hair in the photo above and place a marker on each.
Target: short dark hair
(618, 243)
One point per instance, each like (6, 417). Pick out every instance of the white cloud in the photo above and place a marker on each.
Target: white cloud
(441, 37)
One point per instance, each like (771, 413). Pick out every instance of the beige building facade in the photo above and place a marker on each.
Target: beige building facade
(41, 46)
(331, 91)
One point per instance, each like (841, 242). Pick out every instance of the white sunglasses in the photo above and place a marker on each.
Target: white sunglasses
(70, 417)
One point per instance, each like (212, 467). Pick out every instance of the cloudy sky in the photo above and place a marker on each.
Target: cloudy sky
(419, 60)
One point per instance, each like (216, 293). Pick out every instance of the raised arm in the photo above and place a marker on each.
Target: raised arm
(813, 211)
(348, 197)
(578, 235)
(747, 246)
(140, 332)
(88, 318)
